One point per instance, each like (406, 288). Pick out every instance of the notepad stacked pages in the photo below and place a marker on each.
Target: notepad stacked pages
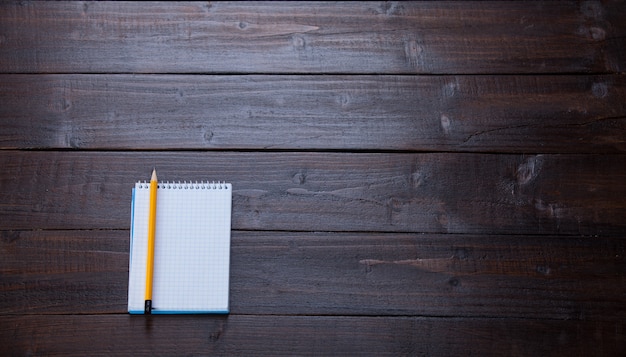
(191, 248)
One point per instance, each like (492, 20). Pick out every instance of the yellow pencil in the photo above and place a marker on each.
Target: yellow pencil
(151, 230)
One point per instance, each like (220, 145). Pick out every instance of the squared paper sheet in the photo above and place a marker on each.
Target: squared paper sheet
(192, 249)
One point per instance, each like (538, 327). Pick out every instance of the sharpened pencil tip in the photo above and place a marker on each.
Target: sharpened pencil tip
(154, 176)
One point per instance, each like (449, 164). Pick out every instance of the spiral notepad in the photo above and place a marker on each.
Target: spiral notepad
(191, 250)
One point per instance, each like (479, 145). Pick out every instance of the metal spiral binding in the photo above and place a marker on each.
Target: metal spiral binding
(202, 185)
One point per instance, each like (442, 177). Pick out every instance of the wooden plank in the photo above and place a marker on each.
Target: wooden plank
(365, 37)
(439, 192)
(79, 335)
(69, 272)
(541, 114)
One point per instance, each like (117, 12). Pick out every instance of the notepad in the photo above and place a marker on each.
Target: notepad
(191, 251)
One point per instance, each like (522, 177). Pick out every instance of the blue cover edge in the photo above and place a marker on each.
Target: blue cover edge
(175, 312)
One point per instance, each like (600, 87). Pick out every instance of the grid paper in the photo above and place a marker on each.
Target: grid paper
(192, 248)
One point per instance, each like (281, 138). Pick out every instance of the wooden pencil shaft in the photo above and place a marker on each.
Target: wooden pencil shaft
(151, 242)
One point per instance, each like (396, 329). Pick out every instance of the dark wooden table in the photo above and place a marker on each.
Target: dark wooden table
(409, 178)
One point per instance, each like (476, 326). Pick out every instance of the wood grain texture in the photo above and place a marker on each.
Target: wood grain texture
(438, 192)
(370, 37)
(584, 114)
(410, 178)
(305, 335)
(295, 273)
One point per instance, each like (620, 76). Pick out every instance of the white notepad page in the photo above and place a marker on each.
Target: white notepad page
(191, 252)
